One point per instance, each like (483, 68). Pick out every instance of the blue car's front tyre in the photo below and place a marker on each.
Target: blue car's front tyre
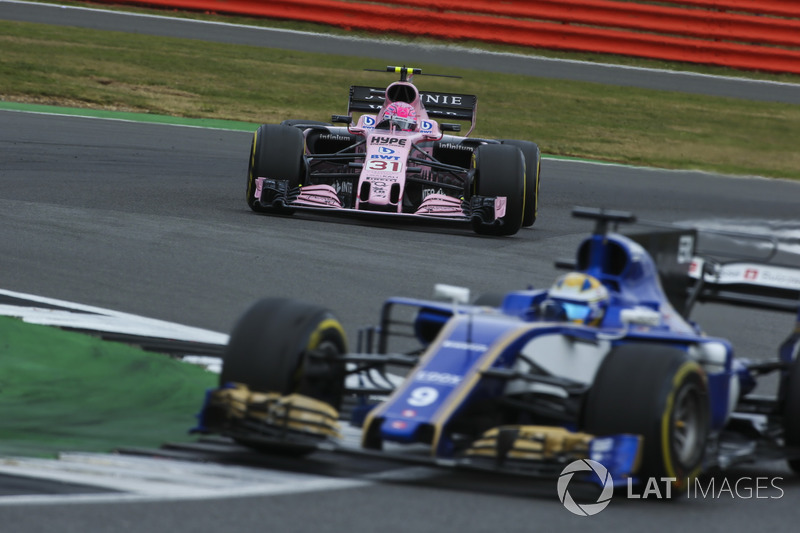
(285, 346)
(660, 393)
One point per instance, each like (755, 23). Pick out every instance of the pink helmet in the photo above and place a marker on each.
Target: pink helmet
(401, 115)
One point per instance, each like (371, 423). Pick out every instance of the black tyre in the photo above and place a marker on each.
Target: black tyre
(791, 412)
(533, 165)
(657, 392)
(276, 152)
(500, 171)
(269, 350)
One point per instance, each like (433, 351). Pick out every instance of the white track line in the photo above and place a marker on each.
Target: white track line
(140, 479)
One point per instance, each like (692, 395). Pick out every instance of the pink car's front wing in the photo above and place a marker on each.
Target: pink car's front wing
(441, 206)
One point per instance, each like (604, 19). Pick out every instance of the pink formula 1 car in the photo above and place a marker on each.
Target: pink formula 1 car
(394, 159)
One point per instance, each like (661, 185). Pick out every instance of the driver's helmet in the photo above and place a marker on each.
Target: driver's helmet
(401, 115)
(581, 298)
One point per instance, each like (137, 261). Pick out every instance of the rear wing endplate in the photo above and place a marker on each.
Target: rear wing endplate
(689, 274)
(748, 284)
(448, 106)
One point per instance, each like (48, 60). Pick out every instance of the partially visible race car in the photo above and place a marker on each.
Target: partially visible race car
(604, 365)
(395, 159)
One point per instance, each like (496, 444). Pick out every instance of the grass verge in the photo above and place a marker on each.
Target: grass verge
(63, 391)
(190, 78)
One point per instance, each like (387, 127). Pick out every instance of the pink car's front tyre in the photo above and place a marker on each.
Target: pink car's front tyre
(500, 171)
(533, 162)
(276, 152)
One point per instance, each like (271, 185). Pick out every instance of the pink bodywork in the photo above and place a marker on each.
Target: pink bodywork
(385, 160)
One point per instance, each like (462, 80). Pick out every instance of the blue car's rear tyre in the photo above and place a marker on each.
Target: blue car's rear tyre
(533, 165)
(791, 412)
(275, 345)
(500, 171)
(657, 392)
(276, 152)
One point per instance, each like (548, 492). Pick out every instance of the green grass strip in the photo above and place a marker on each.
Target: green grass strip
(67, 391)
(133, 117)
(160, 76)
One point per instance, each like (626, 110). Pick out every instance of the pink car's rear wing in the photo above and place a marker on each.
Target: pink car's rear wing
(448, 106)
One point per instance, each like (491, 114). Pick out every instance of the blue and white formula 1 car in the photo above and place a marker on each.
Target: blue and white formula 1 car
(393, 158)
(603, 365)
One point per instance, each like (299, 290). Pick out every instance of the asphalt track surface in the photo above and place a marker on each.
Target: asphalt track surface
(150, 219)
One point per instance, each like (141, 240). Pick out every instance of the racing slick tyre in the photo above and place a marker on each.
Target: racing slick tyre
(661, 394)
(791, 412)
(276, 152)
(285, 346)
(533, 164)
(500, 171)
